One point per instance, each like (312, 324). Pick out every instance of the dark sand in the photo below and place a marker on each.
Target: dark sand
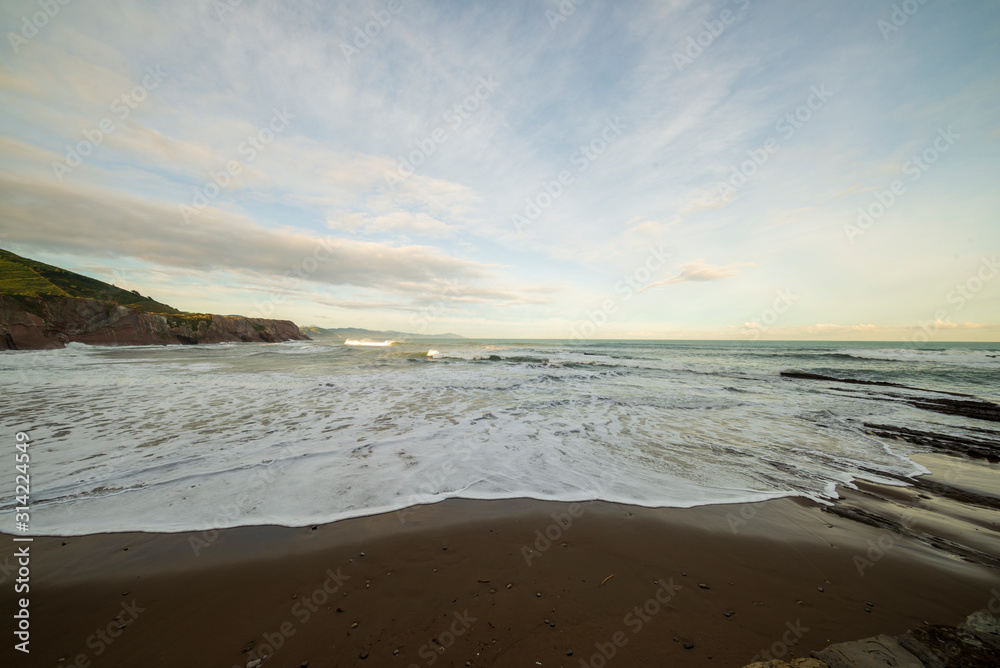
(450, 584)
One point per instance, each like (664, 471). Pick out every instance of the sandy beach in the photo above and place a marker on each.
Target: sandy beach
(523, 583)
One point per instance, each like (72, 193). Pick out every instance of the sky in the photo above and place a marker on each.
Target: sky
(729, 169)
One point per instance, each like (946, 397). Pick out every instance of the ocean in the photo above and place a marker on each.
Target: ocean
(199, 437)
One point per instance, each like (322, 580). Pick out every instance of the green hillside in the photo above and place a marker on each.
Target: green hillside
(23, 277)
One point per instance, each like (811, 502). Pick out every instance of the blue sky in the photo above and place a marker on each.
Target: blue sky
(523, 169)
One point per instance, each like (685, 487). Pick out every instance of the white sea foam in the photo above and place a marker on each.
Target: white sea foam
(198, 437)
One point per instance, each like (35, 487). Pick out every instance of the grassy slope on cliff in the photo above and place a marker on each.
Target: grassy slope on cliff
(21, 276)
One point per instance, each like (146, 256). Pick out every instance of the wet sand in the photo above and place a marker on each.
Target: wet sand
(478, 583)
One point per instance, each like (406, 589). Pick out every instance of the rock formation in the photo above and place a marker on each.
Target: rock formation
(38, 322)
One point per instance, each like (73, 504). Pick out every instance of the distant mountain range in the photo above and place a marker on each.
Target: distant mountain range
(374, 334)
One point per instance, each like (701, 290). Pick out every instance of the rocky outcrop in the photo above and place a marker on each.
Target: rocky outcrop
(33, 323)
(971, 407)
(974, 644)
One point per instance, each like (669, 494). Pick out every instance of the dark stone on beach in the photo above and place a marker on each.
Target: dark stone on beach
(974, 644)
(703, 585)
(868, 609)
(314, 528)
(395, 652)
(569, 652)
(676, 639)
(949, 444)
(362, 554)
(869, 604)
(729, 613)
(364, 654)
(971, 407)
(819, 589)
(882, 522)
(538, 594)
(688, 645)
(684, 574)
(801, 375)
(354, 625)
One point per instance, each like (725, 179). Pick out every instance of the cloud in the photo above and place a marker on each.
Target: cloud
(36, 213)
(399, 222)
(699, 270)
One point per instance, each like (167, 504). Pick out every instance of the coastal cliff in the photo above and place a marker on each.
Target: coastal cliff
(33, 322)
(43, 306)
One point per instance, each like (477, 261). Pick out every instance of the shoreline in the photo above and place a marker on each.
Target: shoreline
(785, 577)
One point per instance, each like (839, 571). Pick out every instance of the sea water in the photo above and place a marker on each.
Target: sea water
(198, 437)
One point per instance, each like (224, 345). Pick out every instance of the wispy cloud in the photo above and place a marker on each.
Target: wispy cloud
(406, 97)
(699, 270)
